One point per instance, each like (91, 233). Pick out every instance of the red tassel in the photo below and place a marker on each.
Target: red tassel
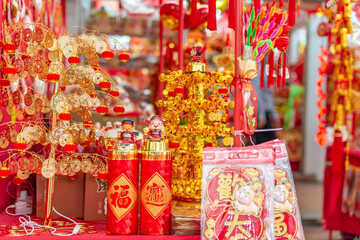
(284, 70)
(262, 74)
(232, 14)
(271, 69)
(257, 4)
(278, 76)
(193, 11)
(337, 152)
(211, 23)
(292, 12)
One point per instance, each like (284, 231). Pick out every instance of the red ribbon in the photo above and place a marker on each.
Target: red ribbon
(211, 24)
(262, 74)
(193, 11)
(292, 12)
(232, 14)
(284, 70)
(271, 69)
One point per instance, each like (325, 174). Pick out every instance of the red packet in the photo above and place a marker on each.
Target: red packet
(237, 200)
(249, 107)
(286, 210)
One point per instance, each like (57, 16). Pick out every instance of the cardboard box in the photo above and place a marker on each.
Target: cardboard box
(68, 196)
(95, 205)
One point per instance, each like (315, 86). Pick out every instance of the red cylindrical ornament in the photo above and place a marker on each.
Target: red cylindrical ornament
(155, 194)
(122, 193)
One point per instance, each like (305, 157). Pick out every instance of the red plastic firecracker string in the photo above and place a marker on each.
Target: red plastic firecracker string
(292, 12)
(211, 24)
(262, 74)
(321, 137)
(271, 70)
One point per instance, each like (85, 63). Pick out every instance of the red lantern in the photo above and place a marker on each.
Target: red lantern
(102, 109)
(70, 147)
(124, 57)
(114, 93)
(20, 146)
(174, 144)
(17, 180)
(105, 85)
(65, 116)
(102, 175)
(4, 172)
(10, 70)
(107, 54)
(4, 83)
(53, 77)
(63, 88)
(88, 124)
(93, 95)
(169, 15)
(74, 60)
(86, 143)
(9, 47)
(179, 90)
(223, 91)
(119, 109)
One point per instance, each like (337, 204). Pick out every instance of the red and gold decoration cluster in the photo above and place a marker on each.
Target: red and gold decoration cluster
(196, 106)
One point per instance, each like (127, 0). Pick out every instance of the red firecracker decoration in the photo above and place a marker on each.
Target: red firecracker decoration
(20, 146)
(4, 172)
(9, 70)
(292, 12)
(104, 85)
(211, 24)
(107, 54)
(102, 109)
(74, 60)
(53, 77)
(17, 180)
(114, 93)
(124, 57)
(70, 147)
(119, 109)
(65, 116)
(4, 82)
(179, 90)
(223, 91)
(9, 47)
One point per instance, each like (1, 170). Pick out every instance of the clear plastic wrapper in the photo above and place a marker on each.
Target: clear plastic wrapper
(286, 210)
(237, 200)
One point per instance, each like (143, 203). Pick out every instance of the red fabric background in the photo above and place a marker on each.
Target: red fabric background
(334, 219)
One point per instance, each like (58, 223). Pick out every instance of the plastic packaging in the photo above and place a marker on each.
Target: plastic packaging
(286, 210)
(237, 200)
